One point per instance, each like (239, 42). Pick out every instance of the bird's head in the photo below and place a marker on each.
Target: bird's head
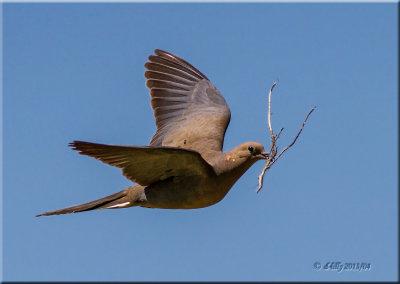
(249, 151)
(238, 160)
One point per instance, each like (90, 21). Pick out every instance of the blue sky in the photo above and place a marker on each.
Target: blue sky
(75, 72)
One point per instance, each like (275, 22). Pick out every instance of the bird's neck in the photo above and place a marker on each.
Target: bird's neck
(229, 169)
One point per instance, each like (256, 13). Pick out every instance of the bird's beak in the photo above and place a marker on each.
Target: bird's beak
(265, 155)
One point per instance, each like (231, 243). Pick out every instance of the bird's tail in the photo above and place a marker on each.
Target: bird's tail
(116, 200)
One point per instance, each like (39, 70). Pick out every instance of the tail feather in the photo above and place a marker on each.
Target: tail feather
(116, 200)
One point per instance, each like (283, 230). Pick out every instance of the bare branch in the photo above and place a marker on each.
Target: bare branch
(261, 177)
(279, 133)
(272, 150)
(272, 158)
(298, 134)
(269, 109)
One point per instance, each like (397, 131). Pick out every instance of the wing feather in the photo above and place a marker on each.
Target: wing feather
(147, 165)
(182, 97)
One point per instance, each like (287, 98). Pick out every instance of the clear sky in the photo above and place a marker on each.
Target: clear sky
(75, 72)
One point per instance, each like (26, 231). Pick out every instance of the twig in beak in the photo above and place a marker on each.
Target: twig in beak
(272, 158)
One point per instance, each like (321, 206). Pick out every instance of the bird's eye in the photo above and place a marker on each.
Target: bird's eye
(250, 148)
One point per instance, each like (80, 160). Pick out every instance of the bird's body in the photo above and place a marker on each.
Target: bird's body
(197, 191)
(184, 166)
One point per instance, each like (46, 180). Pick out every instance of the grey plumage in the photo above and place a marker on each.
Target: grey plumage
(184, 166)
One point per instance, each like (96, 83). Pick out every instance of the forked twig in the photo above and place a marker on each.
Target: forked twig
(297, 136)
(272, 158)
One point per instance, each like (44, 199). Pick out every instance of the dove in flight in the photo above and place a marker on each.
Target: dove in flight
(184, 166)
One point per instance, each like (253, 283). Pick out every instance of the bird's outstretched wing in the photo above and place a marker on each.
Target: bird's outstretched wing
(147, 165)
(189, 110)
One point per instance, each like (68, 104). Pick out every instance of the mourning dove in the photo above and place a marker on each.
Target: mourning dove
(184, 166)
